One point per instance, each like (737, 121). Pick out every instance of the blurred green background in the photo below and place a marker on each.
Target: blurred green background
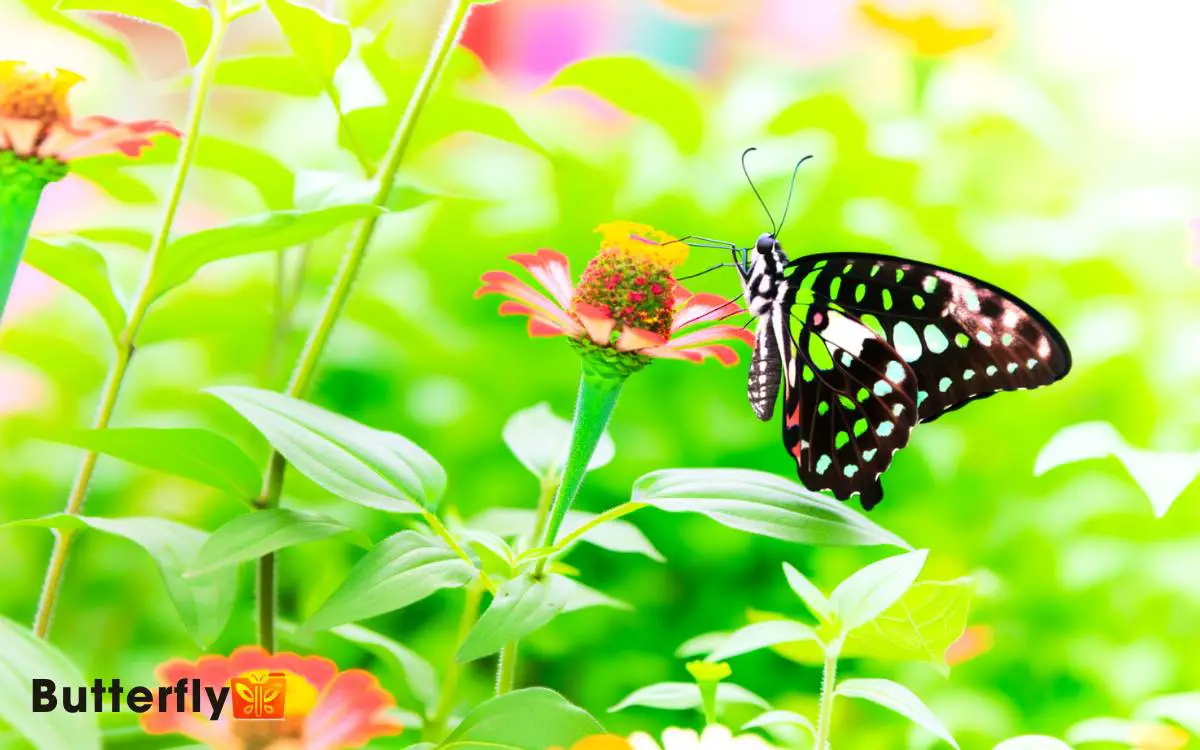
(1056, 159)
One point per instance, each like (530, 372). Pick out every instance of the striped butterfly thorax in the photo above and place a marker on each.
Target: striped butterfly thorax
(867, 346)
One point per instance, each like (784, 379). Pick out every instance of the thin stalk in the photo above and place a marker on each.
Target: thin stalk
(545, 499)
(142, 300)
(339, 292)
(440, 529)
(506, 668)
(828, 690)
(435, 727)
(611, 514)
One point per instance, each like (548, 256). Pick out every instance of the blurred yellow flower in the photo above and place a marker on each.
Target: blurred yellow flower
(934, 27)
(1159, 737)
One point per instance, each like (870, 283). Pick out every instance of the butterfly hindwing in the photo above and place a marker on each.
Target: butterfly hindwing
(765, 370)
(963, 338)
(849, 402)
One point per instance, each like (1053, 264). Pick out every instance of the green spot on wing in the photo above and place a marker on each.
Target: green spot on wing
(847, 403)
(961, 340)
(860, 426)
(862, 395)
(835, 286)
(823, 408)
(872, 322)
(818, 353)
(918, 302)
(841, 440)
(860, 291)
(887, 299)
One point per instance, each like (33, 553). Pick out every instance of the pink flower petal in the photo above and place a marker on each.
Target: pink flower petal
(636, 339)
(724, 354)
(351, 712)
(597, 321)
(99, 135)
(552, 270)
(701, 307)
(502, 282)
(667, 352)
(538, 324)
(714, 333)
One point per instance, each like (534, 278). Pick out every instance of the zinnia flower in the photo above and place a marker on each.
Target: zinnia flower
(627, 310)
(934, 27)
(324, 709)
(38, 137)
(627, 301)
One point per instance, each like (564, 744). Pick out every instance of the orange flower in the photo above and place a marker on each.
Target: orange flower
(36, 122)
(601, 742)
(324, 709)
(627, 301)
(934, 27)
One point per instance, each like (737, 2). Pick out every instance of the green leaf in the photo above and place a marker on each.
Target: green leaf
(108, 172)
(677, 696)
(47, 12)
(323, 43)
(539, 439)
(1162, 476)
(615, 536)
(23, 657)
(1180, 708)
(761, 503)
(812, 597)
(276, 230)
(317, 189)
(659, 97)
(357, 463)
(760, 635)
(199, 455)
(204, 603)
(284, 74)
(530, 719)
(418, 673)
(898, 698)
(581, 596)
(1105, 729)
(868, 592)
(77, 265)
(702, 645)
(402, 569)
(775, 718)
(921, 626)
(521, 606)
(189, 20)
(252, 535)
(1033, 742)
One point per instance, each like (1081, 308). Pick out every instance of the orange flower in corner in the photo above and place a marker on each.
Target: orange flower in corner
(934, 27)
(322, 708)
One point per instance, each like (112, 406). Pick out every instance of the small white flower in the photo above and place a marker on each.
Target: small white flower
(715, 737)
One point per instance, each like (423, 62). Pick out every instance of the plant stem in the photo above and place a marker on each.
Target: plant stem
(142, 300)
(545, 499)
(335, 301)
(506, 668)
(435, 728)
(611, 514)
(22, 180)
(594, 406)
(828, 690)
(440, 529)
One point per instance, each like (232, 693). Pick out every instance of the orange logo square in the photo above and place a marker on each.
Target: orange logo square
(259, 695)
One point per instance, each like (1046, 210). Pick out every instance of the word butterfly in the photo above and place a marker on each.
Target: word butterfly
(867, 346)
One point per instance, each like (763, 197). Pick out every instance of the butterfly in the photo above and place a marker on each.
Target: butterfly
(865, 347)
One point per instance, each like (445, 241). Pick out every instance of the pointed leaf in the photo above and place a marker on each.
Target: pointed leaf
(615, 536)
(191, 21)
(898, 698)
(199, 455)
(79, 266)
(521, 606)
(23, 658)
(677, 696)
(775, 718)
(321, 41)
(762, 635)
(357, 463)
(581, 596)
(402, 569)
(812, 597)
(660, 97)
(871, 590)
(204, 602)
(701, 645)
(530, 719)
(926, 620)
(252, 535)
(761, 503)
(418, 673)
(284, 74)
(1181, 708)
(276, 230)
(1162, 476)
(1033, 742)
(539, 439)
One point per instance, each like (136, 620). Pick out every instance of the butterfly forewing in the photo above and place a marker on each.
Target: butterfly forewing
(962, 337)
(849, 402)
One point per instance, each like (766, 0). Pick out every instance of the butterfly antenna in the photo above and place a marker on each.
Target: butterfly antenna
(791, 187)
(758, 195)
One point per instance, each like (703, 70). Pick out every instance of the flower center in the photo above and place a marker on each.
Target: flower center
(29, 94)
(631, 276)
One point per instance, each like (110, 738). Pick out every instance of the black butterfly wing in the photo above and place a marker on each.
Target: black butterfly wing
(765, 369)
(849, 402)
(963, 338)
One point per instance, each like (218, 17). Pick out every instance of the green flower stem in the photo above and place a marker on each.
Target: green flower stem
(611, 514)
(21, 183)
(142, 300)
(335, 301)
(549, 488)
(506, 668)
(440, 529)
(435, 727)
(828, 690)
